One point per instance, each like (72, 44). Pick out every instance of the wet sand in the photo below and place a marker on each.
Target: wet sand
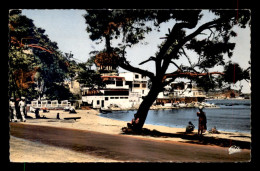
(90, 121)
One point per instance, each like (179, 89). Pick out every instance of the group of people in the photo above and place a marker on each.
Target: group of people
(202, 125)
(20, 109)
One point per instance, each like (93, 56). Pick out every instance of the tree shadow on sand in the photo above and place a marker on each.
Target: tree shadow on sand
(193, 138)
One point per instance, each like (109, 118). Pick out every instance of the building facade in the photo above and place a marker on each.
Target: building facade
(180, 92)
(123, 92)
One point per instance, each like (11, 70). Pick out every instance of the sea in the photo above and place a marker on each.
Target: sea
(231, 115)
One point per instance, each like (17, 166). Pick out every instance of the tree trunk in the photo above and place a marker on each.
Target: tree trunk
(145, 106)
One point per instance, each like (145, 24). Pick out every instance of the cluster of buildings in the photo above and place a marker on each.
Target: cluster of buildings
(125, 90)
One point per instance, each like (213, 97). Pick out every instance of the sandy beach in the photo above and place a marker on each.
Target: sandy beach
(91, 121)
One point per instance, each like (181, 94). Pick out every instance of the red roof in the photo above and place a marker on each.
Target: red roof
(108, 77)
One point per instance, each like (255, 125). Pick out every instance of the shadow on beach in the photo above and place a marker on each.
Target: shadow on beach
(192, 138)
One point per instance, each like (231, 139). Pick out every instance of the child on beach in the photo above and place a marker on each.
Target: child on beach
(190, 127)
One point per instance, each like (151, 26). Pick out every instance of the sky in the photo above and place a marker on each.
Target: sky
(68, 29)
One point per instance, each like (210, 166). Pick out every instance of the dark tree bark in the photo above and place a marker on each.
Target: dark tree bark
(144, 107)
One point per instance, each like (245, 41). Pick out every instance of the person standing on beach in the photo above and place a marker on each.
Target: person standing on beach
(202, 121)
(12, 109)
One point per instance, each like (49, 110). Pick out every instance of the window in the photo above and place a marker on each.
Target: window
(97, 102)
(143, 91)
(106, 98)
(119, 83)
(136, 76)
(144, 85)
(116, 97)
(123, 97)
(136, 85)
(109, 82)
(129, 83)
(117, 93)
(112, 97)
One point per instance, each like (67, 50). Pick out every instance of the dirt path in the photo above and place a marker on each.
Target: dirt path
(124, 148)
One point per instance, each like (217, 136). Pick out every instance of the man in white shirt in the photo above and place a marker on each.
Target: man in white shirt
(22, 105)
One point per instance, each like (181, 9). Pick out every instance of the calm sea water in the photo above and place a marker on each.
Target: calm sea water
(233, 116)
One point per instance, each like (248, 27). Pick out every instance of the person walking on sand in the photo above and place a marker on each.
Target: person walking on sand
(22, 105)
(202, 121)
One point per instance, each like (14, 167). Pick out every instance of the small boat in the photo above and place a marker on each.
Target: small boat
(182, 104)
(229, 105)
(105, 111)
(208, 104)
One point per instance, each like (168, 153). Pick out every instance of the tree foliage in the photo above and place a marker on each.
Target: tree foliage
(36, 66)
(131, 27)
(88, 77)
(233, 73)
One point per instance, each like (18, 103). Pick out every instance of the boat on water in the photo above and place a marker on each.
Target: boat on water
(182, 105)
(208, 105)
(105, 111)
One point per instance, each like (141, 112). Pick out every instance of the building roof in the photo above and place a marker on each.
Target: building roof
(116, 77)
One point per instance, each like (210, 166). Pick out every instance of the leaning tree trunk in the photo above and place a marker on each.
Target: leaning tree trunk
(144, 107)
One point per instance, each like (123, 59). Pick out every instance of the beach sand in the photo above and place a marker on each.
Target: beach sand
(90, 120)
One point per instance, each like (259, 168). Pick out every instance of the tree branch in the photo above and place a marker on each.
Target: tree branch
(180, 44)
(123, 63)
(186, 56)
(186, 75)
(190, 74)
(171, 38)
(203, 27)
(129, 67)
(176, 65)
(173, 35)
(211, 34)
(150, 59)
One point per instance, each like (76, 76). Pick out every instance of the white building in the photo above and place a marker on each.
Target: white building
(124, 91)
(138, 84)
(180, 91)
